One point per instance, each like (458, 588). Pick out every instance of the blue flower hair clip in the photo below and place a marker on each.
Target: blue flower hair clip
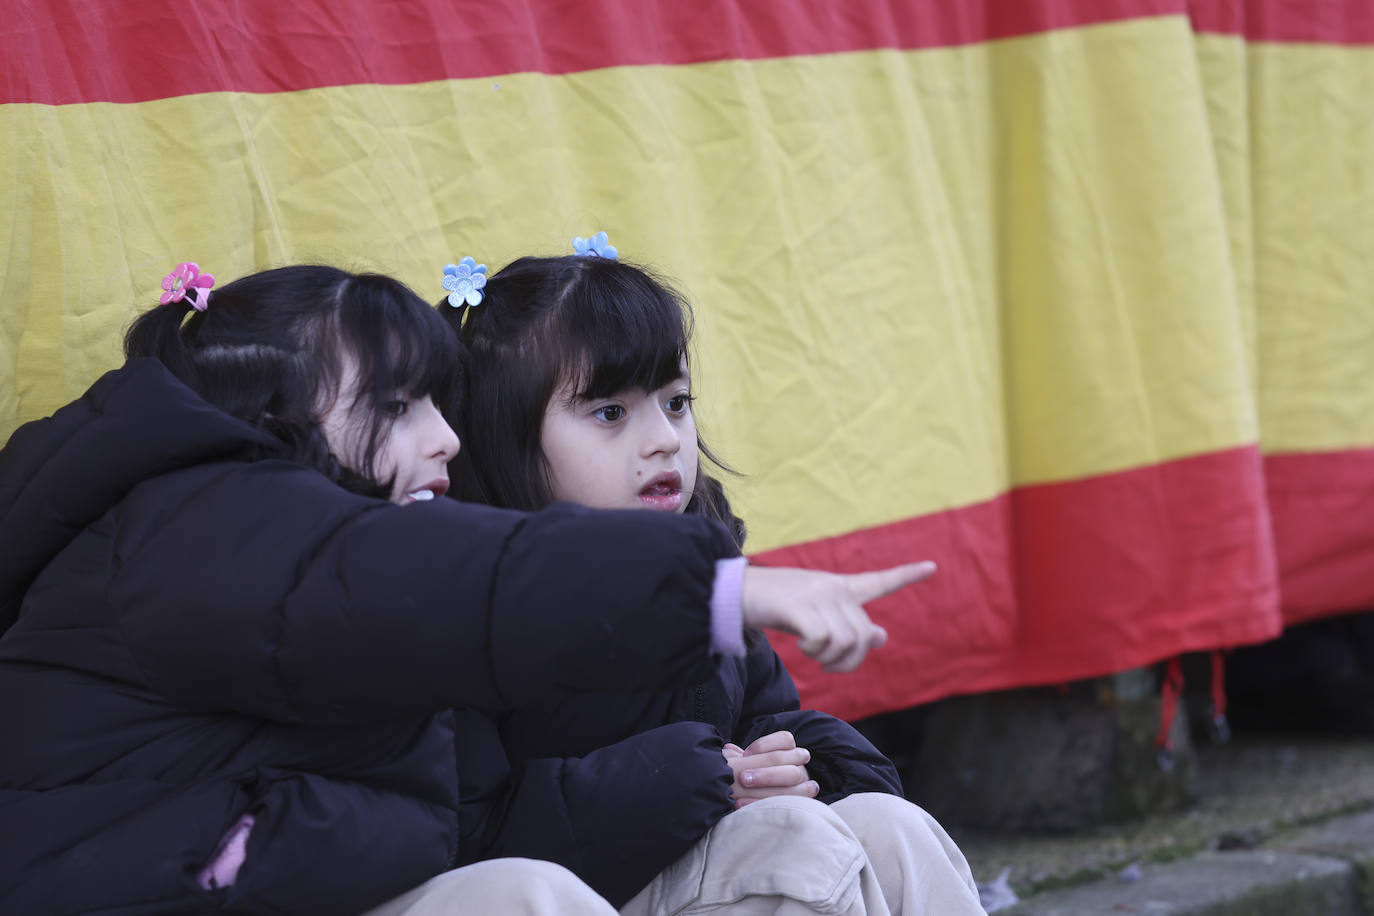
(464, 282)
(598, 246)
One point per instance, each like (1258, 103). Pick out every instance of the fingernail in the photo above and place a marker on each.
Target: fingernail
(815, 787)
(806, 755)
(747, 777)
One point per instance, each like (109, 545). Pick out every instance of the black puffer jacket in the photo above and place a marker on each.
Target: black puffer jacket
(203, 632)
(616, 787)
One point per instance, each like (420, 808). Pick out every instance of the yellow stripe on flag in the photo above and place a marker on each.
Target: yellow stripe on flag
(1293, 142)
(921, 278)
(1312, 145)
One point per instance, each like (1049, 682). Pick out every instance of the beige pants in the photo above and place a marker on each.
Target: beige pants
(521, 887)
(866, 855)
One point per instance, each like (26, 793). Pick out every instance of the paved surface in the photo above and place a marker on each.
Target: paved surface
(1285, 825)
(1253, 883)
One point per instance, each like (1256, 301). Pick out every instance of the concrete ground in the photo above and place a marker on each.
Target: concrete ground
(1284, 824)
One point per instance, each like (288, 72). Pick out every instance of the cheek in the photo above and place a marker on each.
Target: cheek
(564, 462)
(556, 453)
(583, 469)
(389, 457)
(586, 478)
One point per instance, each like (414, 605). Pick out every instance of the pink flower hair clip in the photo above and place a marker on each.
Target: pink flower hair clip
(185, 279)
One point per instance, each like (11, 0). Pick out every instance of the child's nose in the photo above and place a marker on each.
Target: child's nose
(662, 436)
(443, 441)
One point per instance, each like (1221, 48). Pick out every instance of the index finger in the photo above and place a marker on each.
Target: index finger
(866, 586)
(777, 741)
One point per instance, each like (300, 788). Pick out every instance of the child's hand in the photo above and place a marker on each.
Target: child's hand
(824, 609)
(772, 765)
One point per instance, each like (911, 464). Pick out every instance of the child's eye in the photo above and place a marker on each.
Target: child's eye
(679, 403)
(611, 413)
(396, 408)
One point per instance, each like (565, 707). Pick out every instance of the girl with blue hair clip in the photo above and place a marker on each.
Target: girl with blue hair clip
(721, 794)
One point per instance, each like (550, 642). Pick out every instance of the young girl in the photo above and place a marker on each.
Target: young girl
(580, 390)
(230, 654)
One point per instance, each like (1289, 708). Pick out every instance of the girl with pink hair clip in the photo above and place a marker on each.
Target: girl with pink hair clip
(237, 615)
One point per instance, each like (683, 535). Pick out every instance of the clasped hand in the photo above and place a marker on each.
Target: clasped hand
(772, 765)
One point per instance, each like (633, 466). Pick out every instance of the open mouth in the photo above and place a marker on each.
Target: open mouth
(428, 492)
(663, 493)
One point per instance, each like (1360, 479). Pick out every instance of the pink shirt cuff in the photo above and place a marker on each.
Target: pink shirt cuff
(224, 866)
(727, 618)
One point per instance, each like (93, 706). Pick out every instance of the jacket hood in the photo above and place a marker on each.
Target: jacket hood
(60, 474)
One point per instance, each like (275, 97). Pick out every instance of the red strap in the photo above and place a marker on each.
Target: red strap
(1169, 693)
(1218, 683)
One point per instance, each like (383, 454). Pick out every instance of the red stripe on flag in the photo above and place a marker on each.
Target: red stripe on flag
(1323, 510)
(1057, 582)
(64, 51)
(137, 50)
(1341, 22)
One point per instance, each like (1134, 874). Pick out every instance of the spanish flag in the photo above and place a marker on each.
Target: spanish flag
(1074, 297)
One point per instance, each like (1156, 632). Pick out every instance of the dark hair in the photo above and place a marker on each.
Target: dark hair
(604, 326)
(271, 349)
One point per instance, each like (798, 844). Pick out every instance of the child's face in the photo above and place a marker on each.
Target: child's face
(414, 455)
(634, 450)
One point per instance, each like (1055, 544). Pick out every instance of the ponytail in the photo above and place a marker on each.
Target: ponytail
(159, 333)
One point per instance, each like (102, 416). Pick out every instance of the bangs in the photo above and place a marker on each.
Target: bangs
(401, 344)
(634, 339)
